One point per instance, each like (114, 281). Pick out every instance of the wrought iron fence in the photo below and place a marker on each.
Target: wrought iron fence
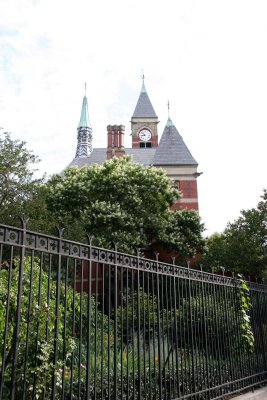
(81, 322)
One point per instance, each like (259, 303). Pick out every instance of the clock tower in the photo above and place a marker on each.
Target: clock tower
(144, 122)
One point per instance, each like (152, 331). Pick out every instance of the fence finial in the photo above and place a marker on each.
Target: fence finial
(90, 239)
(60, 231)
(115, 245)
(23, 221)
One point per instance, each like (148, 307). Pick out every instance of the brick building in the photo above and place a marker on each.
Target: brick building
(169, 153)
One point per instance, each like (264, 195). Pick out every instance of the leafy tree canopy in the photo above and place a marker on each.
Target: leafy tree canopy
(21, 193)
(124, 202)
(242, 247)
(17, 183)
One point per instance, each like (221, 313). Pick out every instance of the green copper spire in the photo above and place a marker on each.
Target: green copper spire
(84, 120)
(85, 133)
(169, 121)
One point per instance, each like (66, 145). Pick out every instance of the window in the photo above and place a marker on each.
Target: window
(145, 144)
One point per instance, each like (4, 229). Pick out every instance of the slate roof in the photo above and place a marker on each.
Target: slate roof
(98, 156)
(172, 150)
(142, 156)
(144, 108)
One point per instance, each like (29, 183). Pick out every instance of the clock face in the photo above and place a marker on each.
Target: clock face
(145, 135)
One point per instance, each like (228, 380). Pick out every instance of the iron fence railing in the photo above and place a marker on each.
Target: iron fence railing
(81, 322)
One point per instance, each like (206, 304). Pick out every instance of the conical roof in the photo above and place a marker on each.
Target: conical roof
(84, 120)
(144, 108)
(172, 150)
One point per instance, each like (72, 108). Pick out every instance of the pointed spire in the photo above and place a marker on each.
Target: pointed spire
(144, 108)
(84, 138)
(84, 120)
(143, 89)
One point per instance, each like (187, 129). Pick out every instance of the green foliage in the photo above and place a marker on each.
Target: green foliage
(128, 313)
(242, 247)
(16, 173)
(37, 327)
(124, 202)
(247, 335)
(21, 193)
(183, 233)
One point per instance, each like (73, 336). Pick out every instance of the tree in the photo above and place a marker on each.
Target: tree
(21, 193)
(184, 233)
(18, 186)
(242, 247)
(120, 201)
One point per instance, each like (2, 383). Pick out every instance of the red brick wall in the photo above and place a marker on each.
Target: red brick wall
(189, 191)
(188, 188)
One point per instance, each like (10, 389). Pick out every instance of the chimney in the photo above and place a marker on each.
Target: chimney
(115, 146)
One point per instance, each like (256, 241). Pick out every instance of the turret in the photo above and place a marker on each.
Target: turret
(144, 122)
(84, 135)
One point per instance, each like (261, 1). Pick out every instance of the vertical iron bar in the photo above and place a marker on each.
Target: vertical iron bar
(191, 331)
(89, 316)
(138, 328)
(133, 333)
(200, 333)
(205, 334)
(18, 311)
(80, 330)
(154, 312)
(48, 311)
(167, 357)
(65, 329)
(56, 333)
(227, 302)
(103, 332)
(260, 323)
(184, 337)
(144, 333)
(122, 327)
(159, 326)
(217, 347)
(74, 334)
(127, 330)
(162, 365)
(115, 321)
(38, 325)
(96, 327)
(28, 327)
(175, 340)
(5, 338)
(109, 330)
(148, 338)
(172, 334)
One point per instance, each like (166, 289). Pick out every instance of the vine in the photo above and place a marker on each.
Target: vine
(247, 335)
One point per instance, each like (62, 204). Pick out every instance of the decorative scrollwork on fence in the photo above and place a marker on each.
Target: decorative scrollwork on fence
(56, 245)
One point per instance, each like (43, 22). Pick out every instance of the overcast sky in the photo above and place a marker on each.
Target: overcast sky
(208, 57)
